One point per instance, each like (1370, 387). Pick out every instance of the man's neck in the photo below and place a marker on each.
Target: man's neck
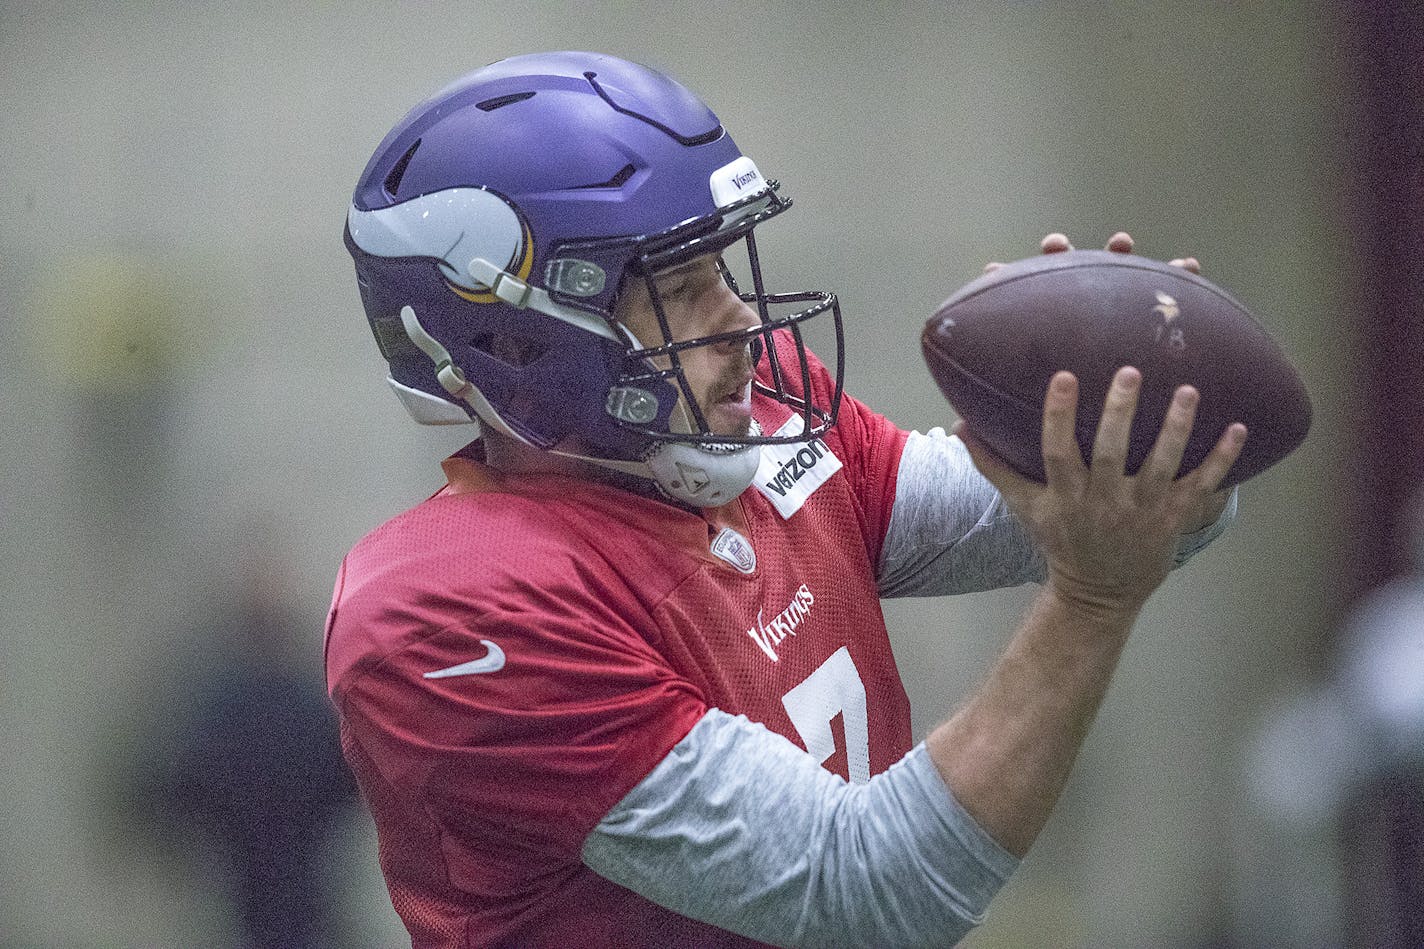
(514, 457)
(510, 455)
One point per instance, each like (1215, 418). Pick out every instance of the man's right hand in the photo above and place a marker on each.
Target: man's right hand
(1109, 537)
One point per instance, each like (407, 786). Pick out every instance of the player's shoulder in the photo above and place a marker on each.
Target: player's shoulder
(541, 575)
(473, 541)
(490, 520)
(461, 554)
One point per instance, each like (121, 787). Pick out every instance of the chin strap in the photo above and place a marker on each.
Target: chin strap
(702, 476)
(693, 474)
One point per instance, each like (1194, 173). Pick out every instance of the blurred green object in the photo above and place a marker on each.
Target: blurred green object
(112, 323)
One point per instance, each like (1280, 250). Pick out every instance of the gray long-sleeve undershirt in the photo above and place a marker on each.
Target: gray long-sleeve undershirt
(739, 828)
(950, 531)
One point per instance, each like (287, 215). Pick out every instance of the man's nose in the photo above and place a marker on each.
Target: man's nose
(735, 314)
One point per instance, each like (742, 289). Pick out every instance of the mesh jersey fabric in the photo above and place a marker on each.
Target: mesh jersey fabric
(619, 628)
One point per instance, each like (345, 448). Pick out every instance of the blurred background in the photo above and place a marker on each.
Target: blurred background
(195, 427)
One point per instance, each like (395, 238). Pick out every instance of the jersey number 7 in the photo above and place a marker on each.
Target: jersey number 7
(833, 690)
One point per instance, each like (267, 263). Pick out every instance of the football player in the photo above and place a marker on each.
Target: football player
(624, 679)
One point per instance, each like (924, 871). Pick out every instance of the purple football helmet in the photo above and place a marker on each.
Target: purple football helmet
(494, 227)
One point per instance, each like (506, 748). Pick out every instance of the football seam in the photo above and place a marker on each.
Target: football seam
(1009, 397)
(1194, 279)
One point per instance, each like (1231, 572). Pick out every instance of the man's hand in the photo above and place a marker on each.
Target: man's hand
(1109, 537)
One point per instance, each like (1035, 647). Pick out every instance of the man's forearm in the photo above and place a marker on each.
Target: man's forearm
(1007, 753)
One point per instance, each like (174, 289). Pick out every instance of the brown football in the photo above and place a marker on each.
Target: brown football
(994, 344)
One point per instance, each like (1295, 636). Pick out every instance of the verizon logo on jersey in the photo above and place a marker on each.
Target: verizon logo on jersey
(795, 467)
(789, 473)
(769, 635)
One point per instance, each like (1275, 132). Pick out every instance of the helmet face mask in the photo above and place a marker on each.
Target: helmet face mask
(496, 227)
(784, 313)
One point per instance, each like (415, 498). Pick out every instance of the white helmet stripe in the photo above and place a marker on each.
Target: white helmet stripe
(467, 230)
(454, 226)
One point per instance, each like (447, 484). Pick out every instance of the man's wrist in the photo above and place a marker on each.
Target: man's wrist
(1096, 611)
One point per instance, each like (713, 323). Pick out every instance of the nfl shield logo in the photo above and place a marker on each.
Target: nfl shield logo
(735, 549)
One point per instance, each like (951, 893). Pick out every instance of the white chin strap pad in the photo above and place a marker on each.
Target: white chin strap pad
(700, 476)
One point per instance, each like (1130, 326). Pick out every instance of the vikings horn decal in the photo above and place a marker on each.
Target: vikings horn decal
(453, 226)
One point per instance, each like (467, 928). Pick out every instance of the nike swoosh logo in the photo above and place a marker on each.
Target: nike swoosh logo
(492, 661)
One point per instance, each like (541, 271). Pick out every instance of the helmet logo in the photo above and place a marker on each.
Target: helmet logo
(525, 265)
(736, 180)
(454, 227)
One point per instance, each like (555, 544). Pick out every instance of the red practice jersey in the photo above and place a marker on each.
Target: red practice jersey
(577, 632)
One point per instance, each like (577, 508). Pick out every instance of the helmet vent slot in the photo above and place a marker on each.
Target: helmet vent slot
(617, 181)
(515, 351)
(393, 180)
(711, 135)
(499, 102)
